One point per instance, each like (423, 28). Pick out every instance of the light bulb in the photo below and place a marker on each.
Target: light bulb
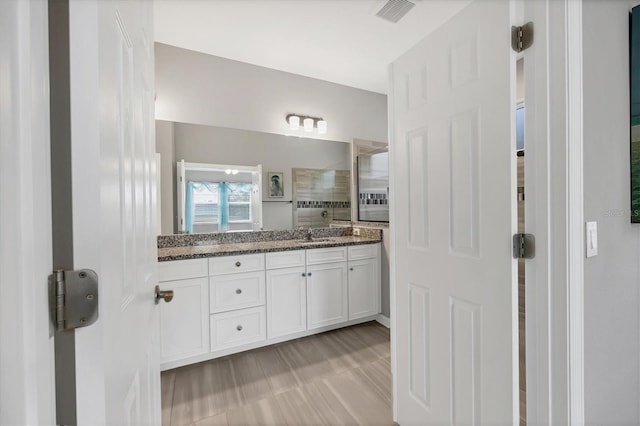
(228, 171)
(234, 172)
(308, 124)
(322, 127)
(294, 122)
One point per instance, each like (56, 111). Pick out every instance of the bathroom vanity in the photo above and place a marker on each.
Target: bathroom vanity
(263, 288)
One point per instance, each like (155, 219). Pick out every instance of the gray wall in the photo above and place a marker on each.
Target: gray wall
(277, 153)
(611, 302)
(197, 88)
(165, 147)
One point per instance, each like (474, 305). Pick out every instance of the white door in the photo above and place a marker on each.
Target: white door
(114, 205)
(453, 216)
(27, 391)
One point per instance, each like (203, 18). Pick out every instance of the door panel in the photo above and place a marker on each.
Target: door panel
(454, 214)
(113, 141)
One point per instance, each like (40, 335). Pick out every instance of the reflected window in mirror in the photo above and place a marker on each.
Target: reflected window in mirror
(217, 206)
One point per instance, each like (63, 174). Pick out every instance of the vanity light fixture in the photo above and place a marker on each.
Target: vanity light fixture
(322, 126)
(294, 122)
(308, 123)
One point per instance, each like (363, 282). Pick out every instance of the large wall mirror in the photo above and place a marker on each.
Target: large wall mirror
(313, 176)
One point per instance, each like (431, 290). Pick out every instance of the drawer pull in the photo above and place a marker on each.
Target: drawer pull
(238, 291)
(238, 264)
(239, 328)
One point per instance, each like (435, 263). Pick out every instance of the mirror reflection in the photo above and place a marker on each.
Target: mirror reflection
(313, 178)
(218, 198)
(371, 181)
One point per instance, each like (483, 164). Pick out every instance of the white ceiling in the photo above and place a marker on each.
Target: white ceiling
(341, 41)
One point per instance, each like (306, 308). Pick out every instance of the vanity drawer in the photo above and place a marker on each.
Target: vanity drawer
(365, 251)
(182, 269)
(235, 291)
(237, 328)
(285, 259)
(326, 255)
(232, 264)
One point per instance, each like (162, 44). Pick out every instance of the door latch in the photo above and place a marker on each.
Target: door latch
(74, 298)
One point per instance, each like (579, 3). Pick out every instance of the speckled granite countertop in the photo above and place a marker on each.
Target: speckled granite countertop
(212, 248)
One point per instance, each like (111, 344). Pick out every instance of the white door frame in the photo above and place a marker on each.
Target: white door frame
(555, 349)
(554, 330)
(26, 353)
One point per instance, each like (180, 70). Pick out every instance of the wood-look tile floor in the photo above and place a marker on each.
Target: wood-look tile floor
(342, 377)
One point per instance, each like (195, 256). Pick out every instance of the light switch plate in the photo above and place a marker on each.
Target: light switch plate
(591, 238)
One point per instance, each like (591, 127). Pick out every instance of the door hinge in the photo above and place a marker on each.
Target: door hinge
(74, 298)
(524, 246)
(522, 37)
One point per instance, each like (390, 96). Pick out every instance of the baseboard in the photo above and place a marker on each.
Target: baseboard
(383, 320)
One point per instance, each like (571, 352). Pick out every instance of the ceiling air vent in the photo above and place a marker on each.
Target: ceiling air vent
(394, 10)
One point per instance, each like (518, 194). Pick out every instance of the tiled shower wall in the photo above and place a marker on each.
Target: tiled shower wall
(320, 196)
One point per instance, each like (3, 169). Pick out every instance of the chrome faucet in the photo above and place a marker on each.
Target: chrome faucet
(309, 234)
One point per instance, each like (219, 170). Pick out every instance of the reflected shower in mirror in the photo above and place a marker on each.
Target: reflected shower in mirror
(371, 179)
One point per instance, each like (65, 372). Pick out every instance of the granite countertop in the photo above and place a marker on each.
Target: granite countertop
(213, 249)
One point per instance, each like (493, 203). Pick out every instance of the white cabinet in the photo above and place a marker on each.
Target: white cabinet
(237, 328)
(327, 289)
(364, 281)
(184, 325)
(237, 297)
(226, 304)
(286, 301)
(236, 291)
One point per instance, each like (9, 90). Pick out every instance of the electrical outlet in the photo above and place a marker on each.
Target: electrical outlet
(356, 232)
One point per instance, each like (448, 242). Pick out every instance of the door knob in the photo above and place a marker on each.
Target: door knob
(167, 295)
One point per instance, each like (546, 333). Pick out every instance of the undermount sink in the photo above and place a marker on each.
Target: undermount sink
(314, 240)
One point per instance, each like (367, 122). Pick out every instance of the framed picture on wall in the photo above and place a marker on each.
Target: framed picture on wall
(276, 184)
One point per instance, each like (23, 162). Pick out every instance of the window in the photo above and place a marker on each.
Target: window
(206, 206)
(212, 206)
(239, 203)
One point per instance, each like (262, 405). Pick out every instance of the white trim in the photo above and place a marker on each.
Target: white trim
(392, 246)
(575, 211)
(554, 330)
(27, 391)
(384, 320)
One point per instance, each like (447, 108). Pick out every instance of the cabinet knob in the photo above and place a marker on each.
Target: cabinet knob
(239, 327)
(309, 274)
(351, 269)
(238, 291)
(238, 264)
(304, 275)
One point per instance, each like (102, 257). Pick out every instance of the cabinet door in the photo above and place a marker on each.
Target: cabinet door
(364, 288)
(286, 301)
(326, 294)
(184, 322)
